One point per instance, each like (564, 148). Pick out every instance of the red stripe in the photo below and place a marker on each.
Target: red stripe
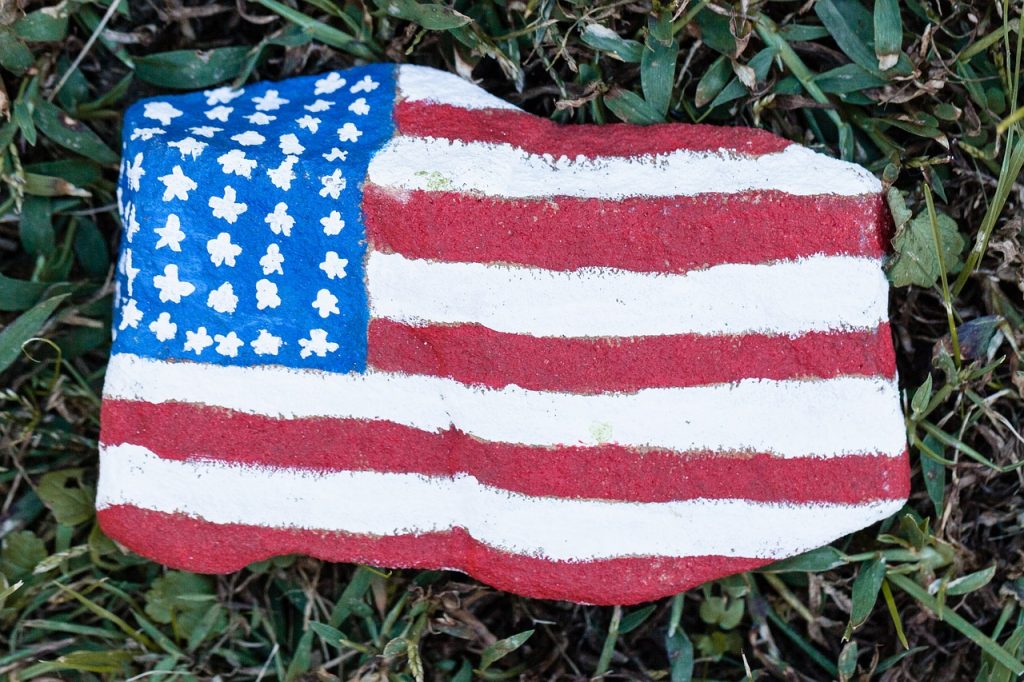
(542, 136)
(474, 354)
(182, 431)
(191, 544)
(672, 234)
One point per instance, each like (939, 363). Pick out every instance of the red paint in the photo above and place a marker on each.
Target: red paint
(542, 136)
(474, 354)
(194, 545)
(641, 234)
(605, 472)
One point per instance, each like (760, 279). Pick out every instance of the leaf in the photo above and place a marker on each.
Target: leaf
(846, 79)
(16, 294)
(976, 336)
(849, 24)
(502, 648)
(24, 328)
(22, 551)
(888, 33)
(14, 54)
(36, 226)
(184, 599)
(631, 621)
(714, 79)
(330, 635)
(817, 560)
(922, 396)
(70, 504)
(847, 664)
(658, 63)
(631, 108)
(934, 474)
(91, 249)
(301, 659)
(49, 24)
(865, 593)
(71, 134)
(190, 69)
(970, 582)
(429, 16)
(608, 41)
(916, 260)
(680, 656)
(320, 31)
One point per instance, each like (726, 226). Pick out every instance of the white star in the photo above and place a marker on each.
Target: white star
(235, 162)
(225, 206)
(283, 175)
(266, 343)
(367, 84)
(219, 114)
(130, 315)
(205, 131)
(318, 106)
(332, 184)
(266, 294)
(134, 172)
(178, 185)
(133, 224)
(189, 146)
(170, 287)
(326, 303)
(269, 102)
(349, 133)
(334, 266)
(248, 138)
(145, 134)
(359, 107)
(260, 119)
(310, 123)
(223, 299)
(335, 154)
(328, 84)
(162, 327)
(280, 222)
(228, 344)
(161, 111)
(222, 251)
(222, 95)
(316, 343)
(290, 144)
(198, 341)
(271, 262)
(332, 224)
(130, 273)
(170, 234)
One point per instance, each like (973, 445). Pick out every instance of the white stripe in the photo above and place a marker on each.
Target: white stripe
(820, 418)
(424, 84)
(391, 504)
(819, 293)
(502, 170)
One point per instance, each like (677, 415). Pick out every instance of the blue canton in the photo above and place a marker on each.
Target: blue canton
(243, 241)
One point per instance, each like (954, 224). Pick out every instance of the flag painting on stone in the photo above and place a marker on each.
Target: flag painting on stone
(381, 316)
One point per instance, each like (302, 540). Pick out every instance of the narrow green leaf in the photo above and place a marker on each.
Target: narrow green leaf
(970, 582)
(888, 33)
(631, 108)
(865, 593)
(332, 636)
(429, 16)
(680, 656)
(849, 24)
(817, 560)
(71, 134)
(49, 24)
(713, 81)
(846, 79)
(658, 63)
(14, 54)
(36, 226)
(301, 658)
(608, 41)
(320, 31)
(17, 294)
(631, 621)
(190, 69)
(502, 648)
(24, 328)
(934, 474)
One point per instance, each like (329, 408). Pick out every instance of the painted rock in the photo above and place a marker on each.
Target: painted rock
(381, 316)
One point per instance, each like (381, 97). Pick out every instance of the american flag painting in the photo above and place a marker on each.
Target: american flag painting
(381, 316)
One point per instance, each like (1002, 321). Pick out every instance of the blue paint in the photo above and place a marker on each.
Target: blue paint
(303, 251)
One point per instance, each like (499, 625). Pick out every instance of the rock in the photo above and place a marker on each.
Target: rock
(381, 316)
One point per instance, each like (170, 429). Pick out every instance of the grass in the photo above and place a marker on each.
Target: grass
(934, 593)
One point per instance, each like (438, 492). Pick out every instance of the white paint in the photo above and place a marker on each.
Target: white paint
(424, 84)
(377, 503)
(788, 297)
(819, 418)
(501, 170)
